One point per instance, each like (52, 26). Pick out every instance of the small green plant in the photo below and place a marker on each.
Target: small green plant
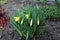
(57, 2)
(43, 1)
(2, 2)
(52, 12)
(28, 20)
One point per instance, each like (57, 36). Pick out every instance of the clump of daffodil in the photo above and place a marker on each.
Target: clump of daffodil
(31, 22)
(27, 16)
(38, 21)
(17, 19)
(22, 21)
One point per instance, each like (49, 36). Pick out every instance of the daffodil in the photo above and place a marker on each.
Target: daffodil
(22, 21)
(31, 22)
(27, 16)
(38, 21)
(17, 19)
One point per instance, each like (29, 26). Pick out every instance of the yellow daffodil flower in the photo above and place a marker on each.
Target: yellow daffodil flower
(27, 16)
(38, 21)
(22, 21)
(31, 22)
(17, 19)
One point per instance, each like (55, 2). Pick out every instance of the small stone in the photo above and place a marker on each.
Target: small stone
(0, 36)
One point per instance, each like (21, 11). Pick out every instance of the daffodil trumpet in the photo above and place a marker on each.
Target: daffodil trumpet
(27, 16)
(16, 19)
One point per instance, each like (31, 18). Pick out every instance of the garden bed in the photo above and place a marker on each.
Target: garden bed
(10, 33)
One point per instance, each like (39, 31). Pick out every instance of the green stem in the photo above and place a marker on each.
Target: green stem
(27, 34)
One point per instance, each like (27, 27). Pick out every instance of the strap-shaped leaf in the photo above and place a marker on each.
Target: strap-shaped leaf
(27, 35)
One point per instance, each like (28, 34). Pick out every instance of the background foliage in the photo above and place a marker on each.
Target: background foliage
(2, 2)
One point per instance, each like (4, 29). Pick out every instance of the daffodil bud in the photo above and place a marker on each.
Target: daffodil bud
(31, 22)
(27, 16)
(17, 19)
(22, 21)
(38, 21)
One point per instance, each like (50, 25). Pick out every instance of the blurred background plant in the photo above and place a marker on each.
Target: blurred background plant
(43, 1)
(2, 2)
(3, 18)
(52, 12)
(57, 2)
